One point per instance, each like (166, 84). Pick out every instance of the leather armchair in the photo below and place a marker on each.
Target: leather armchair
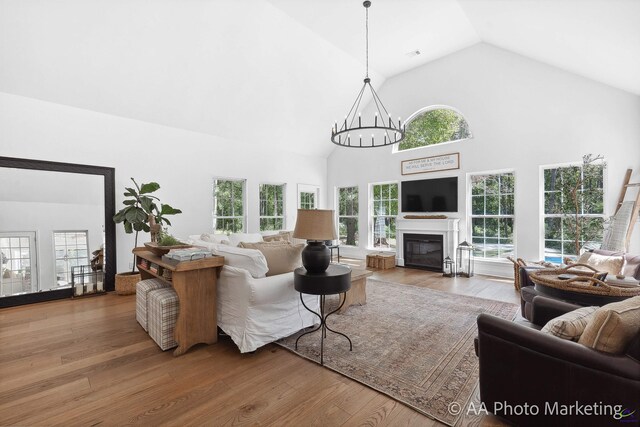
(520, 365)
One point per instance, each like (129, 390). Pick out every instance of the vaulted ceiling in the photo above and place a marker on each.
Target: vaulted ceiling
(279, 72)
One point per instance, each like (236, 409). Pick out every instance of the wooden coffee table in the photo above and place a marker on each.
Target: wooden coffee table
(358, 292)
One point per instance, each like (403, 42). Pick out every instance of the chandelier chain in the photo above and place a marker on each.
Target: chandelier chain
(367, 39)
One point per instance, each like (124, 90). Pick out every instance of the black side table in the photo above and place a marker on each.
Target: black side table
(336, 280)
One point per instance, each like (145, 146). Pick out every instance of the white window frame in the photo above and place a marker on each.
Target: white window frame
(244, 203)
(55, 256)
(284, 206)
(541, 202)
(33, 262)
(470, 215)
(423, 110)
(371, 216)
(338, 216)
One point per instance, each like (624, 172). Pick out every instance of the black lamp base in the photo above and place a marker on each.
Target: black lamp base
(316, 257)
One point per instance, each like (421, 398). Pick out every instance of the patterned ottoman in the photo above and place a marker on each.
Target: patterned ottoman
(163, 308)
(143, 287)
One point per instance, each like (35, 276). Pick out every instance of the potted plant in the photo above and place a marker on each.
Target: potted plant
(140, 213)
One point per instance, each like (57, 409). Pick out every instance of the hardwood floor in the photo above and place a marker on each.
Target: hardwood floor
(88, 362)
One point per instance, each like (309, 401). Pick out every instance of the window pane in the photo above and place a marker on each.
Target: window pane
(492, 205)
(434, 127)
(506, 183)
(477, 227)
(553, 228)
(506, 205)
(348, 231)
(552, 202)
(477, 205)
(491, 227)
(477, 185)
(506, 228)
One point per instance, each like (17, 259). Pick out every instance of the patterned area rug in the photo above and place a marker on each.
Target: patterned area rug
(413, 344)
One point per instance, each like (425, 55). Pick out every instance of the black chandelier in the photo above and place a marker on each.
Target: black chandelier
(383, 131)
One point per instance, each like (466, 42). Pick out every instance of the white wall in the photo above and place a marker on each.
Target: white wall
(523, 114)
(184, 163)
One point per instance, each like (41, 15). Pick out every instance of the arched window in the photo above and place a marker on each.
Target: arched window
(434, 125)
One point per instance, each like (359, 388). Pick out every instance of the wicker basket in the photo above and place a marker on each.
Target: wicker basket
(126, 283)
(519, 262)
(585, 282)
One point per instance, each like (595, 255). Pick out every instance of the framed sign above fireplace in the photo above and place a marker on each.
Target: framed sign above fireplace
(442, 162)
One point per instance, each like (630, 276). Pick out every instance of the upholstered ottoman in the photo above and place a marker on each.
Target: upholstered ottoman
(163, 308)
(143, 287)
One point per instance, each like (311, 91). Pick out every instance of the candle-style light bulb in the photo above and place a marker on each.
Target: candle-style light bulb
(375, 119)
(359, 119)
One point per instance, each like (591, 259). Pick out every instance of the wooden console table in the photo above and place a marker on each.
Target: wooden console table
(195, 284)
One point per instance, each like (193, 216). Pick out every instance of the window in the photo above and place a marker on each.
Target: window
(72, 250)
(492, 214)
(17, 262)
(434, 125)
(573, 209)
(348, 216)
(384, 209)
(308, 196)
(271, 207)
(228, 206)
(307, 200)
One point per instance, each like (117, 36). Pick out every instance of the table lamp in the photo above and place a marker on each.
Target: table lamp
(315, 226)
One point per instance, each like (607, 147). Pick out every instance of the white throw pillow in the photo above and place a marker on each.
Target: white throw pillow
(251, 260)
(213, 238)
(236, 238)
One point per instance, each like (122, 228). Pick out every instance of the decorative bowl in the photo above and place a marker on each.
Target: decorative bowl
(162, 250)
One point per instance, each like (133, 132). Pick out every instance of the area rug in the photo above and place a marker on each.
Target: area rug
(413, 344)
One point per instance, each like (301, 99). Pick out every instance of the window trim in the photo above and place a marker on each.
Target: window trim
(337, 213)
(370, 215)
(423, 110)
(469, 215)
(541, 215)
(284, 205)
(244, 202)
(55, 257)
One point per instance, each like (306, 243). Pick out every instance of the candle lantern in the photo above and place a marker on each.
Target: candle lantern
(448, 268)
(465, 260)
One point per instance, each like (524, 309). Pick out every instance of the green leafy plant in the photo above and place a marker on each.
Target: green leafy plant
(139, 206)
(167, 239)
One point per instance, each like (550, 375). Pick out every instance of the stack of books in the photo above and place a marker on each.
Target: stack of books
(190, 254)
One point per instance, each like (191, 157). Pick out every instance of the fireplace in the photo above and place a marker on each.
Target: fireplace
(423, 251)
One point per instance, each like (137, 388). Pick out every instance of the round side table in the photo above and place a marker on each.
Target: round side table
(335, 280)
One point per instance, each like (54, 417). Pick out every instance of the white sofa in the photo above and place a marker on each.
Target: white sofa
(255, 310)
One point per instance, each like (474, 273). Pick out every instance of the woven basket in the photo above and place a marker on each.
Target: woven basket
(586, 282)
(126, 283)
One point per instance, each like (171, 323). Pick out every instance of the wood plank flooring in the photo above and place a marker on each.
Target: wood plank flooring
(88, 362)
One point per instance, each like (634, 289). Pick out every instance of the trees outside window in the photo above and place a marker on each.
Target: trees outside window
(272, 206)
(348, 216)
(228, 206)
(573, 208)
(434, 126)
(307, 200)
(384, 209)
(492, 214)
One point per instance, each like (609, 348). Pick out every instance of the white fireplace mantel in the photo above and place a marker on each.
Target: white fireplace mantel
(447, 228)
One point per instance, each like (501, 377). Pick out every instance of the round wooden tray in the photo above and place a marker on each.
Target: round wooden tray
(585, 282)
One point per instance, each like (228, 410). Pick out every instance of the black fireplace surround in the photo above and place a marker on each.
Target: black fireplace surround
(423, 251)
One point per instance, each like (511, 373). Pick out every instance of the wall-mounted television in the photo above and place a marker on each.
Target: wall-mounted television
(430, 195)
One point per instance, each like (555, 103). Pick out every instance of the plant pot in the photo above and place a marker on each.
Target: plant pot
(126, 283)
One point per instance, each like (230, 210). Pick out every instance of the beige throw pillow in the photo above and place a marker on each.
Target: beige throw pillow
(258, 245)
(613, 326)
(612, 264)
(282, 257)
(570, 325)
(275, 238)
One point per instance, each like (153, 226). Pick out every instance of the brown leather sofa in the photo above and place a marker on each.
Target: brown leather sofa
(519, 365)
